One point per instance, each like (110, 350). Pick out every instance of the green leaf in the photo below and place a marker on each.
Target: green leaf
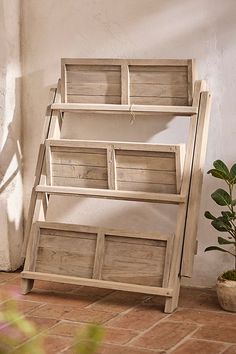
(215, 248)
(233, 173)
(218, 174)
(208, 215)
(223, 241)
(228, 215)
(221, 166)
(221, 197)
(219, 225)
(233, 202)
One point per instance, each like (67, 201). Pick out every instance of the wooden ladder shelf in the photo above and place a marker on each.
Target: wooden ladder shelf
(150, 263)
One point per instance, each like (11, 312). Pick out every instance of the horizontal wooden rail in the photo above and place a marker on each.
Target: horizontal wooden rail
(113, 194)
(98, 283)
(118, 145)
(106, 231)
(119, 108)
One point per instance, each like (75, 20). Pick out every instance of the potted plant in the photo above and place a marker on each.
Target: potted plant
(226, 224)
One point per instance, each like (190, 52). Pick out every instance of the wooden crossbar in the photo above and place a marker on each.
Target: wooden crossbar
(113, 194)
(111, 108)
(98, 283)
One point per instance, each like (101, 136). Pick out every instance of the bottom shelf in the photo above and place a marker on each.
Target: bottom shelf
(100, 257)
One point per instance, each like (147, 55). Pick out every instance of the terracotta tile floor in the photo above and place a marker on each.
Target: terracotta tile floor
(133, 323)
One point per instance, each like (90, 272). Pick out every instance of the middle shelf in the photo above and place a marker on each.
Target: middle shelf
(115, 170)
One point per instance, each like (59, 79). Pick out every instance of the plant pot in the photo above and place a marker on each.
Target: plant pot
(226, 292)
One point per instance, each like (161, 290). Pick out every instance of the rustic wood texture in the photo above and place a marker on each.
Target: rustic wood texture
(121, 81)
(108, 255)
(66, 253)
(121, 166)
(134, 261)
(154, 290)
(196, 185)
(147, 110)
(52, 126)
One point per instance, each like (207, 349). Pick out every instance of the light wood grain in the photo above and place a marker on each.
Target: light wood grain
(137, 108)
(98, 283)
(133, 261)
(113, 194)
(111, 166)
(196, 185)
(99, 255)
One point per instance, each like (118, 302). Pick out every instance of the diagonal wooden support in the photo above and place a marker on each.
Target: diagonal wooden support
(196, 185)
(52, 126)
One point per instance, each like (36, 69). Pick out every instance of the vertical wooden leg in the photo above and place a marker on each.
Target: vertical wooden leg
(26, 285)
(171, 303)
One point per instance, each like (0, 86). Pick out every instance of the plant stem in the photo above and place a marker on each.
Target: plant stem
(231, 186)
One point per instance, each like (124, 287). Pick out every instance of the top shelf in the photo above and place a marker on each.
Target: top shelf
(124, 108)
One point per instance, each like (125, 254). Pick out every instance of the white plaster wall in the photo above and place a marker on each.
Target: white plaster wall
(205, 30)
(11, 189)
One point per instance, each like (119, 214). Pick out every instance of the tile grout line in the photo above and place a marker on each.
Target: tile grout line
(183, 340)
(148, 329)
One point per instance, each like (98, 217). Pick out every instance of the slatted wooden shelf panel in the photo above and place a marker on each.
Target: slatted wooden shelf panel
(145, 82)
(111, 165)
(102, 254)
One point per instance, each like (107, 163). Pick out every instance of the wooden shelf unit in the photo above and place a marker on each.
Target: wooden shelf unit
(169, 174)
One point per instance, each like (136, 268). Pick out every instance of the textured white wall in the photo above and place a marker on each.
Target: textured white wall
(11, 193)
(205, 30)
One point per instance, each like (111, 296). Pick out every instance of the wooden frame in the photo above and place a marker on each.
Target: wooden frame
(188, 180)
(52, 127)
(147, 274)
(115, 165)
(112, 81)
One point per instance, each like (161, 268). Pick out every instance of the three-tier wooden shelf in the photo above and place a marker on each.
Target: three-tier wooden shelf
(151, 263)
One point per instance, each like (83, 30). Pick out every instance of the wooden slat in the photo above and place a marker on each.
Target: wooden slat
(151, 66)
(138, 76)
(174, 277)
(162, 101)
(191, 80)
(93, 89)
(156, 90)
(178, 110)
(111, 164)
(145, 176)
(83, 172)
(70, 229)
(145, 62)
(94, 144)
(94, 99)
(72, 158)
(196, 185)
(98, 283)
(125, 84)
(114, 194)
(99, 256)
(93, 77)
(78, 182)
(179, 161)
(147, 187)
(143, 161)
(54, 96)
